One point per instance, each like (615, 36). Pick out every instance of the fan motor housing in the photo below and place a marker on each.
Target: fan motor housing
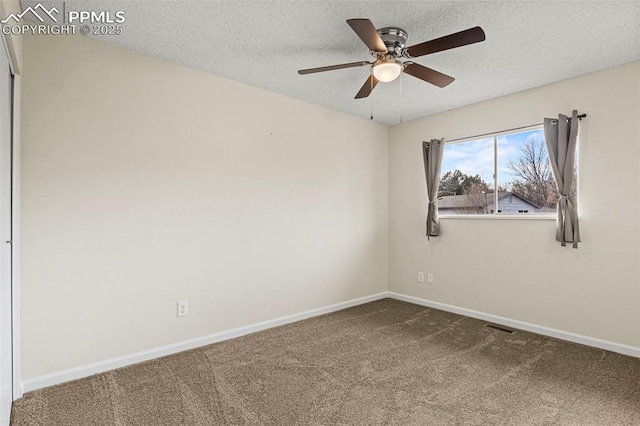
(394, 38)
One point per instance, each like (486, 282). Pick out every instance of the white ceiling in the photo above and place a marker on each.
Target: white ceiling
(264, 43)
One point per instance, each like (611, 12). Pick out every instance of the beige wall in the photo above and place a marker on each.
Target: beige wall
(514, 268)
(145, 183)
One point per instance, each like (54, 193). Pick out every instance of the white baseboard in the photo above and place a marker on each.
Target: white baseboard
(521, 325)
(126, 360)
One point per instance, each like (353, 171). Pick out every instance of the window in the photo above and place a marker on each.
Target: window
(502, 174)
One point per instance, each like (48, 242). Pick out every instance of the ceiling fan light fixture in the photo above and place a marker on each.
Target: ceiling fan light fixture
(388, 44)
(387, 69)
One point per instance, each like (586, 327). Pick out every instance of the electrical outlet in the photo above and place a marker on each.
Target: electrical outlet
(183, 308)
(430, 278)
(420, 277)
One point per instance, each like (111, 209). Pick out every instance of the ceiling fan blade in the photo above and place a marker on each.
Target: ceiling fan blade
(333, 67)
(427, 74)
(462, 38)
(368, 33)
(367, 87)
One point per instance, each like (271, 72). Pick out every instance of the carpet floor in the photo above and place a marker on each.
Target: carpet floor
(385, 362)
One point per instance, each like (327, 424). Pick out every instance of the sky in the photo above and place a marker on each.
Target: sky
(476, 157)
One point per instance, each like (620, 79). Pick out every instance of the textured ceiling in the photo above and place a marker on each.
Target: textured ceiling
(264, 43)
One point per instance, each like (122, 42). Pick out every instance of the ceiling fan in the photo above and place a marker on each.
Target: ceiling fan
(387, 46)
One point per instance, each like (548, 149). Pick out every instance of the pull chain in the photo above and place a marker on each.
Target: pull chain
(371, 97)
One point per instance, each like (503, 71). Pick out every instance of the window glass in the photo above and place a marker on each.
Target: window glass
(524, 172)
(467, 183)
(517, 164)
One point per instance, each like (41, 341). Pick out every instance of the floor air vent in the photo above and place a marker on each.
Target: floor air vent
(499, 328)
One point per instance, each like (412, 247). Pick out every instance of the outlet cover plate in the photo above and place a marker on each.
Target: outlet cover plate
(183, 308)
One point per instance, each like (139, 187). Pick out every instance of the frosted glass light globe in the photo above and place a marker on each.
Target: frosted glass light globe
(387, 71)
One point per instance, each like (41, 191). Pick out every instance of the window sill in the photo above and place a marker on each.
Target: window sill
(501, 216)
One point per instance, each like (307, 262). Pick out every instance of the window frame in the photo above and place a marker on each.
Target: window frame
(495, 215)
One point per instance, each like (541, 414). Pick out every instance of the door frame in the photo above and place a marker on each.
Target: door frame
(17, 388)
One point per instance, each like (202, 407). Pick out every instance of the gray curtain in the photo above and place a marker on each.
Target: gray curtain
(432, 153)
(561, 136)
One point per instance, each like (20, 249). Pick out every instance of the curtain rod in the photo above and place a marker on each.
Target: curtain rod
(580, 117)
